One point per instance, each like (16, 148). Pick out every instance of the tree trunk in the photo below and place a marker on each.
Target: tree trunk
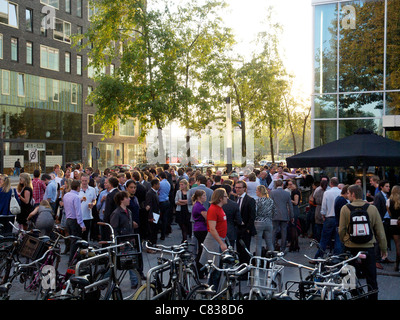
(271, 141)
(304, 129)
(161, 151)
(291, 127)
(244, 145)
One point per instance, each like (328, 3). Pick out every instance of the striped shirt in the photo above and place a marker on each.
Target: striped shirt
(265, 209)
(39, 188)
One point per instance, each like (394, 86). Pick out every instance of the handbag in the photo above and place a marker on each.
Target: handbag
(14, 205)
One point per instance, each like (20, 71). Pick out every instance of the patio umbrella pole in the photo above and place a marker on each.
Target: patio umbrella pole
(365, 181)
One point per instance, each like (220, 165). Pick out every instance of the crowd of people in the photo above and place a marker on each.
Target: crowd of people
(260, 205)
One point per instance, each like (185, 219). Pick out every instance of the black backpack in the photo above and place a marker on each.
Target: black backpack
(359, 227)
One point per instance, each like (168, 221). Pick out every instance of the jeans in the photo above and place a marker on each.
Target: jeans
(264, 230)
(329, 231)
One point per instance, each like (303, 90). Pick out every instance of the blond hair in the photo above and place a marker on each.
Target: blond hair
(395, 196)
(27, 182)
(217, 195)
(185, 182)
(262, 189)
(6, 184)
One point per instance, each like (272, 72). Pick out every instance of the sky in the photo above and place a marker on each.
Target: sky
(295, 16)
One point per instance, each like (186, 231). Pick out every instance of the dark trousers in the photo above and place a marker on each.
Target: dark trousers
(74, 229)
(165, 208)
(200, 236)
(246, 237)
(366, 268)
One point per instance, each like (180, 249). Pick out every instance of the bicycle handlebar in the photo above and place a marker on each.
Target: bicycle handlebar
(174, 250)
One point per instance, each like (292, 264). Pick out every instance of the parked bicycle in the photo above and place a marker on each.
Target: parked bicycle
(333, 278)
(229, 287)
(181, 270)
(265, 276)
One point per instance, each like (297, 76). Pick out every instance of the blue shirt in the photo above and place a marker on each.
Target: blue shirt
(101, 204)
(163, 192)
(51, 191)
(72, 207)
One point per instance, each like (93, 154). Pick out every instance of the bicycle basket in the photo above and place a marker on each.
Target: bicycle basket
(32, 248)
(127, 256)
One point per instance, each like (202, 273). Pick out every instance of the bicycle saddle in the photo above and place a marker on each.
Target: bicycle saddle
(80, 282)
(82, 244)
(228, 259)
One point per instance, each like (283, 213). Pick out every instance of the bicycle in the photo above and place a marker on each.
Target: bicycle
(229, 271)
(332, 279)
(265, 276)
(102, 276)
(183, 275)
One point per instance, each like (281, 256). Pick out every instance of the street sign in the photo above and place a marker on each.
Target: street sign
(33, 155)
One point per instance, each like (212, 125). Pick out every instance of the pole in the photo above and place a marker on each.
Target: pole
(228, 135)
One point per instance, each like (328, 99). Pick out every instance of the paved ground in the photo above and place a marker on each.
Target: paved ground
(388, 280)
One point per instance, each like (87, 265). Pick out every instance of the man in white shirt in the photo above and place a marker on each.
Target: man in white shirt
(329, 229)
(87, 194)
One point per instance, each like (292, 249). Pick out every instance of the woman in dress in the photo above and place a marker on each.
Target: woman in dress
(265, 210)
(182, 211)
(25, 191)
(393, 207)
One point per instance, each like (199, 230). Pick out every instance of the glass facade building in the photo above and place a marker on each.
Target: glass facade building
(356, 69)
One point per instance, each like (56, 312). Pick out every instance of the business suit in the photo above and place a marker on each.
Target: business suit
(108, 210)
(380, 204)
(284, 213)
(154, 204)
(246, 230)
(234, 219)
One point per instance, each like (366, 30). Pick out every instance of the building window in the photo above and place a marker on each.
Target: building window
(74, 93)
(112, 69)
(52, 3)
(49, 58)
(62, 31)
(68, 6)
(90, 90)
(127, 128)
(42, 89)
(68, 62)
(79, 65)
(56, 90)
(14, 49)
(80, 31)
(29, 20)
(79, 8)
(5, 83)
(21, 85)
(43, 26)
(92, 127)
(29, 52)
(8, 13)
(1, 46)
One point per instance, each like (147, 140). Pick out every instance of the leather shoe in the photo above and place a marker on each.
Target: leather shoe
(379, 266)
(387, 260)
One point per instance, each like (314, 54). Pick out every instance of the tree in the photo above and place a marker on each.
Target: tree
(145, 83)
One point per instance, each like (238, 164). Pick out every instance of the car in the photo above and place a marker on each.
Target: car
(121, 168)
(264, 162)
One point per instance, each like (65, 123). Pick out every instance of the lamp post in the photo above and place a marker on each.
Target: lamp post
(228, 135)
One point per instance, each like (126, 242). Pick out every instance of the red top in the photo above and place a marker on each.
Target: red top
(216, 213)
(39, 187)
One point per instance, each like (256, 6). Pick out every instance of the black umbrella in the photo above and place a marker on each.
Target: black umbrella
(364, 148)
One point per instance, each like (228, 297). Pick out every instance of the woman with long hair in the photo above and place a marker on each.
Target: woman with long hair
(44, 219)
(393, 207)
(25, 191)
(182, 211)
(265, 210)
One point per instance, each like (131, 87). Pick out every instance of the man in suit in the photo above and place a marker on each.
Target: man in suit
(201, 184)
(141, 196)
(152, 205)
(284, 212)
(110, 206)
(247, 208)
(380, 203)
(234, 219)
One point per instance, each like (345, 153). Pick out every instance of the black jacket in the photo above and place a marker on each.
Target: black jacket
(122, 222)
(248, 213)
(380, 204)
(110, 205)
(153, 202)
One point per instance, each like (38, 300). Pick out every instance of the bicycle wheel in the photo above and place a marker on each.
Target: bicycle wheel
(190, 280)
(126, 277)
(200, 292)
(277, 283)
(140, 294)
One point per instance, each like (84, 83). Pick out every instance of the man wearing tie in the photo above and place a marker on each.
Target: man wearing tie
(247, 207)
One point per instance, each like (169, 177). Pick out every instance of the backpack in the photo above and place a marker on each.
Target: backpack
(14, 205)
(359, 227)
